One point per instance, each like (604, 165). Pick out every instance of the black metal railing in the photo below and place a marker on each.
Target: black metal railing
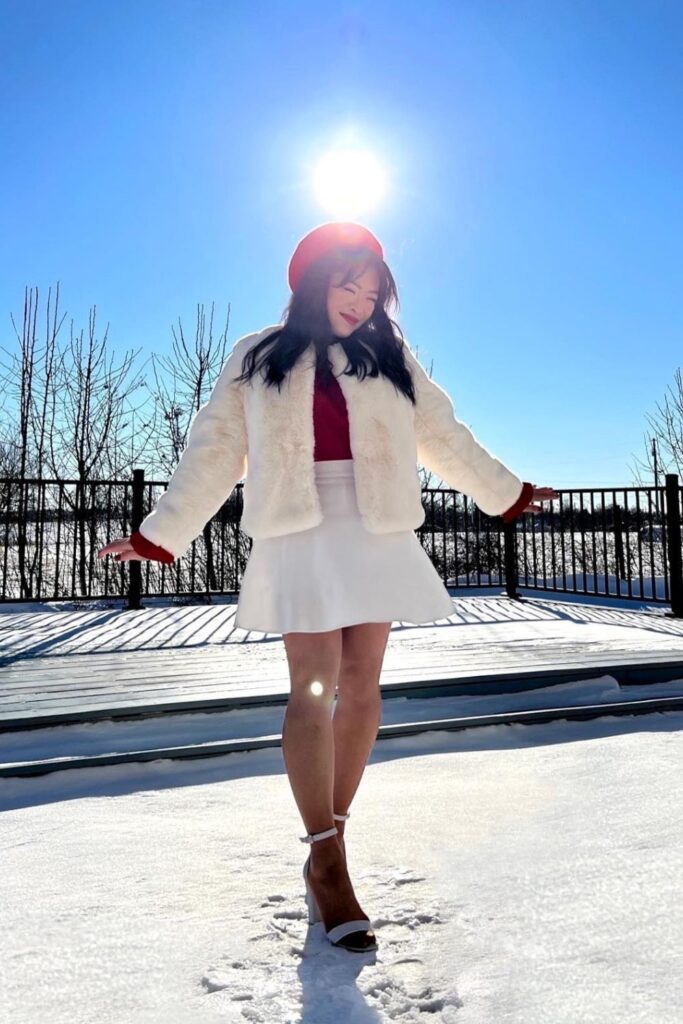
(615, 542)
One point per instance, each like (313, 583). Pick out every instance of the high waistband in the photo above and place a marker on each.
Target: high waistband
(333, 467)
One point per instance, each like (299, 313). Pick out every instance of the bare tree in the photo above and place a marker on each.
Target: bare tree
(25, 437)
(97, 433)
(70, 420)
(192, 375)
(192, 372)
(664, 446)
(94, 433)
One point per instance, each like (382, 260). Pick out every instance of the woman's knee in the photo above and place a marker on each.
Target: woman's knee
(314, 660)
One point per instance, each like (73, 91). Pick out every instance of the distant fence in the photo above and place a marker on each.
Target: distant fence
(613, 542)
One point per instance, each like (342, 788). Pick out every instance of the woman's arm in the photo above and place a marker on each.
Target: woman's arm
(213, 461)
(449, 448)
(153, 552)
(521, 504)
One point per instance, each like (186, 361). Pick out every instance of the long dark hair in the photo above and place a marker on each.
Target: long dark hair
(372, 349)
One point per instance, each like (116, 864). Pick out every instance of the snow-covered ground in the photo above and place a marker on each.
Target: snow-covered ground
(91, 739)
(514, 874)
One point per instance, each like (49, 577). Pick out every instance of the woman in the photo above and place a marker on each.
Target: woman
(330, 425)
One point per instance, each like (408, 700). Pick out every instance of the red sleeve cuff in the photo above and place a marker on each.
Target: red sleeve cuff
(145, 548)
(521, 503)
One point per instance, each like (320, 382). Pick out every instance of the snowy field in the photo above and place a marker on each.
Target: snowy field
(513, 874)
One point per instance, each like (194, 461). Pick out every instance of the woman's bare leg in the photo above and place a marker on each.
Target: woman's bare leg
(307, 737)
(308, 751)
(358, 711)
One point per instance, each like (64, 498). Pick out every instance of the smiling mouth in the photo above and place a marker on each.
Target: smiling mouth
(349, 319)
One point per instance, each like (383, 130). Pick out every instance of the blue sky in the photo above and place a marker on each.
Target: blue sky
(158, 155)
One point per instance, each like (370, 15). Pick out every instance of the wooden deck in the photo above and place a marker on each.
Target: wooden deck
(61, 666)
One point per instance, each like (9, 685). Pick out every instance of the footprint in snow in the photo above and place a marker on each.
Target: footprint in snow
(297, 969)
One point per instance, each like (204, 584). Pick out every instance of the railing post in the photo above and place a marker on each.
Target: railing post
(673, 542)
(510, 559)
(134, 566)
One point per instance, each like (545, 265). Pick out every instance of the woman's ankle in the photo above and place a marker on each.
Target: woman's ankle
(327, 851)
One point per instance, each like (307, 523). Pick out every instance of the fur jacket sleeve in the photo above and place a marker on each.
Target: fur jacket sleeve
(212, 463)
(448, 447)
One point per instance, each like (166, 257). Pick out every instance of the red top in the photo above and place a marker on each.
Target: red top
(330, 421)
(331, 430)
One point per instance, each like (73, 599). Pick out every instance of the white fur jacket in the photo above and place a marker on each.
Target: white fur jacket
(266, 437)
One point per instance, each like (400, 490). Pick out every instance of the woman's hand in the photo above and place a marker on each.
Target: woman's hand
(123, 551)
(540, 494)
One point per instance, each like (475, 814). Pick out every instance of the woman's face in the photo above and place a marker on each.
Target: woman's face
(356, 300)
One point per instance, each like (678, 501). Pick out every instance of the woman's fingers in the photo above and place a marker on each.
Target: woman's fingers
(544, 493)
(114, 547)
(121, 549)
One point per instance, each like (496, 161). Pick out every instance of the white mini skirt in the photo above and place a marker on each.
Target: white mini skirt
(338, 573)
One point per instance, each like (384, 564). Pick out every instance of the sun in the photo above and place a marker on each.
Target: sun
(348, 182)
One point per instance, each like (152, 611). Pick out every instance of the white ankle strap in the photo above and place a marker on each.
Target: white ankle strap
(342, 817)
(314, 836)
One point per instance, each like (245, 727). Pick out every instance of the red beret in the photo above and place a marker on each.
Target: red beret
(325, 237)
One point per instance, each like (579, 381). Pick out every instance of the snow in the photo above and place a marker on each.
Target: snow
(513, 873)
(106, 737)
